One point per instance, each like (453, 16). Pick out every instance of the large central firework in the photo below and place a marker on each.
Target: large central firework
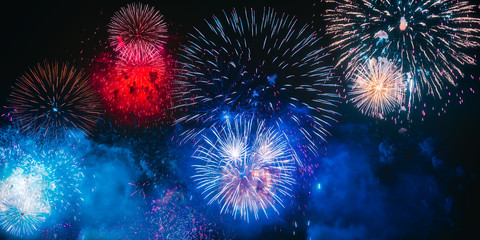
(247, 167)
(268, 65)
(429, 38)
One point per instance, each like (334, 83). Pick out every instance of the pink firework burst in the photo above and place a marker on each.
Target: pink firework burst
(137, 33)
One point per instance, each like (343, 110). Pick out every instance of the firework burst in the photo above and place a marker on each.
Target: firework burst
(54, 98)
(378, 87)
(268, 65)
(428, 37)
(137, 32)
(38, 180)
(245, 168)
(23, 206)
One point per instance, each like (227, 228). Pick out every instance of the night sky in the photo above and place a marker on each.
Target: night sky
(372, 182)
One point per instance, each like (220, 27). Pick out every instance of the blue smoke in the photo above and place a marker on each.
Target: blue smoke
(373, 189)
(108, 208)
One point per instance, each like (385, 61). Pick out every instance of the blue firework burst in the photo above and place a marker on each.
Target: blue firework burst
(267, 65)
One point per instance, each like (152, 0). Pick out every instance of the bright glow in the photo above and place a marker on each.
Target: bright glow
(234, 152)
(403, 24)
(23, 205)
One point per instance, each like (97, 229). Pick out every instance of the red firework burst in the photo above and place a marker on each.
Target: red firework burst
(137, 33)
(136, 95)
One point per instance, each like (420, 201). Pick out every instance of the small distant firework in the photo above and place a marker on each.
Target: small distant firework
(430, 38)
(53, 98)
(137, 32)
(137, 95)
(378, 87)
(23, 205)
(37, 179)
(246, 168)
(267, 65)
(142, 185)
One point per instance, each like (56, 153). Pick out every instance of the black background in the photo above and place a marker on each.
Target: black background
(76, 31)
